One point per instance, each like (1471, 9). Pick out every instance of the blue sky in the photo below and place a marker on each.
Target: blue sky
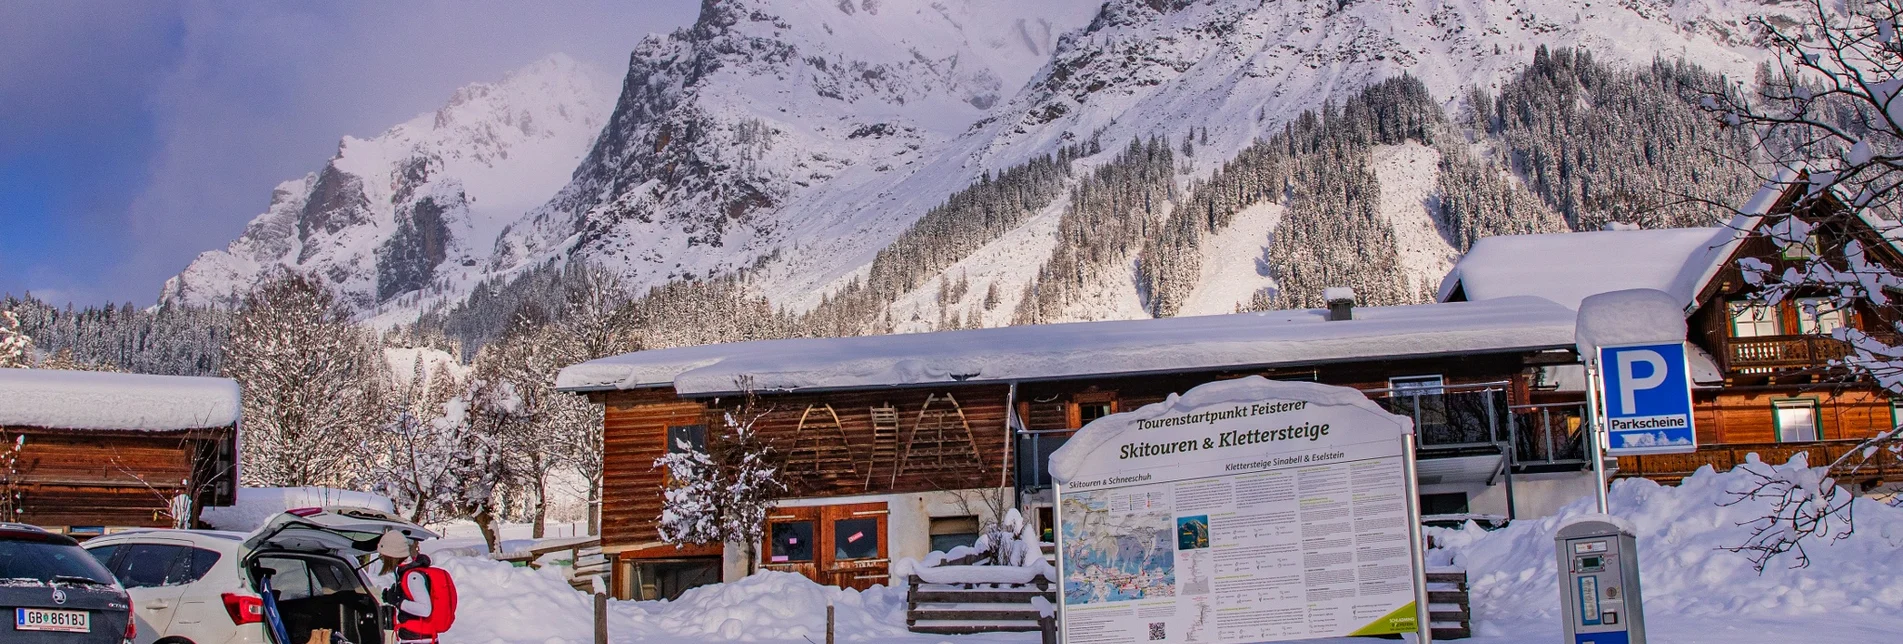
(134, 135)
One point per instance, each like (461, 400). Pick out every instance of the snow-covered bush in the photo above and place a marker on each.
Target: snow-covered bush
(722, 495)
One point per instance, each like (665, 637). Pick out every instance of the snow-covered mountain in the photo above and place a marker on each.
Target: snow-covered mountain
(416, 209)
(795, 139)
(799, 137)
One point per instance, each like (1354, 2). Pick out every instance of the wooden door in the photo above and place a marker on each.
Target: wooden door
(837, 545)
(855, 545)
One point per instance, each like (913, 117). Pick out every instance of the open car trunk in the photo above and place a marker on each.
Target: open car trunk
(318, 591)
(309, 557)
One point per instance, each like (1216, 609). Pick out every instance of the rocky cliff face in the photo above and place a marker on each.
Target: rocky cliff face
(416, 209)
(795, 139)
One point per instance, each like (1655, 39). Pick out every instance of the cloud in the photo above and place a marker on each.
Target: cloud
(233, 98)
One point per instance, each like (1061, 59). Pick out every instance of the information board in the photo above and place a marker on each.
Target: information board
(1247, 510)
(1648, 399)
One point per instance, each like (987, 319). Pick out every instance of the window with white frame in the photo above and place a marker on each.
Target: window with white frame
(1796, 420)
(1754, 319)
(1820, 316)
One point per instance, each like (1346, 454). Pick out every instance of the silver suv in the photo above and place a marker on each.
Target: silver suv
(207, 587)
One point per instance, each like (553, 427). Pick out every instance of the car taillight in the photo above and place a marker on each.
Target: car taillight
(304, 512)
(132, 621)
(244, 609)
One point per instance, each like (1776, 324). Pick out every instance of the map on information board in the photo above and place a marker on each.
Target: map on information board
(1121, 547)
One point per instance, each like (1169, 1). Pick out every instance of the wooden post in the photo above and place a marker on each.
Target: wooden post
(829, 622)
(601, 618)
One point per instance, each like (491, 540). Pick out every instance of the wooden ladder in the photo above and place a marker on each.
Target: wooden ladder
(885, 439)
(820, 447)
(941, 441)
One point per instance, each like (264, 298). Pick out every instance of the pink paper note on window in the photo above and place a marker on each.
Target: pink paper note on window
(855, 537)
(779, 558)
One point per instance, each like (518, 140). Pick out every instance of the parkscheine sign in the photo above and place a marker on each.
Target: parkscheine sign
(1246, 510)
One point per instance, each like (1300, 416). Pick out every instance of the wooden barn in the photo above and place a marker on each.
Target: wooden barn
(900, 445)
(88, 453)
(1763, 378)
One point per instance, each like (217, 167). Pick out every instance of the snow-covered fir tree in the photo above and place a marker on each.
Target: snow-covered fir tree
(16, 347)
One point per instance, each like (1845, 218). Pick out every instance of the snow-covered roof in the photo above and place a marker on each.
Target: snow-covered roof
(92, 400)
(1050, 351)
(1569, 267)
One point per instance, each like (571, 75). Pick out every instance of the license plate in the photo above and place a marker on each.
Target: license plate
(65, 621)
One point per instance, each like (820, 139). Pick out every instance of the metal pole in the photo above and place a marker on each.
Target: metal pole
(1595, 449)
(1416, 542)
(1509, 454)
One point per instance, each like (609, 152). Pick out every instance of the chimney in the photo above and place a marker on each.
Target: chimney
(1341, 302)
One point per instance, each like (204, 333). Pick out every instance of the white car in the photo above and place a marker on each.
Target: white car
(204, 586)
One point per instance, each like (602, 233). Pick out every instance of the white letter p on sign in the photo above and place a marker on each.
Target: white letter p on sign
(1629, 385)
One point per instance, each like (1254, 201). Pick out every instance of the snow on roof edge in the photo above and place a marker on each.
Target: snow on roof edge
(54, 399)
(1089, 349)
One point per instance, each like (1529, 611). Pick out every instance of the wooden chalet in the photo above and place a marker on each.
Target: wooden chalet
(900, 445)
(89, 453)
(1763, 381)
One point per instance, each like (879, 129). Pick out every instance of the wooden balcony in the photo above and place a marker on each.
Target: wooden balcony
(1772, 353)
(1669, 468)
(1765, 354)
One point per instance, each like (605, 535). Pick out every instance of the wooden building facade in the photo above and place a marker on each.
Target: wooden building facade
(885, 463)
(90, 453)
(1764, 380)
(1777, 385)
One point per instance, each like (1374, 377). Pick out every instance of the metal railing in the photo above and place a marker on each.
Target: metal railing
(1551, 433)
(1034, 456)
(1446, 417)
(1450, 416)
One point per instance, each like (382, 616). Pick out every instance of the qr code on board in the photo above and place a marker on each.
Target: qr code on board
(1156, 632)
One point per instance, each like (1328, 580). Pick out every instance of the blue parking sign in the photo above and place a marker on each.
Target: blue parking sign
(1648, 399)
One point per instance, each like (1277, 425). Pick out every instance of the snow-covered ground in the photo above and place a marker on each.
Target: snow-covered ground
(1235, 267)
(1695, 592)
(1408, 173)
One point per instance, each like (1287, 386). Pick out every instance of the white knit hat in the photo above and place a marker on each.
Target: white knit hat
(394, 545)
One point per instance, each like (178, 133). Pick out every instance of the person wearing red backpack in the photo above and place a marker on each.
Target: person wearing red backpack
(424, 596)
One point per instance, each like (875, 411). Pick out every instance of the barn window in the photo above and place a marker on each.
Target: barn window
(1086, 407)
(1820, 316)
(792, 542)
(952, 532)
(1796, 419)
(855, 539)
(685, 438)
(1754, 319)
(1805, 250)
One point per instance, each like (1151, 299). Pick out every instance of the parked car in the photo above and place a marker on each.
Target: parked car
(56, 593)
(203, 586)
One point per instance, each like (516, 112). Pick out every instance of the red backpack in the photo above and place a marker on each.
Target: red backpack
(442, 596)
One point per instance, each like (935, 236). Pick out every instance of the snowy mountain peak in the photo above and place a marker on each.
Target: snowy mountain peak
(421, 202)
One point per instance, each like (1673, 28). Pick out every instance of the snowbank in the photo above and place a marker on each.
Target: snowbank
(503, 604)
(1085, 348)
(96, 400)
(1691, 586)
(258, 504)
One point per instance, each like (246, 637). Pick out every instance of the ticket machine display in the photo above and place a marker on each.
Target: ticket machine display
(1599, 584)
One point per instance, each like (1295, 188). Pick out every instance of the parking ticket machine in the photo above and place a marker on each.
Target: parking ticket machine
(1599, 583)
